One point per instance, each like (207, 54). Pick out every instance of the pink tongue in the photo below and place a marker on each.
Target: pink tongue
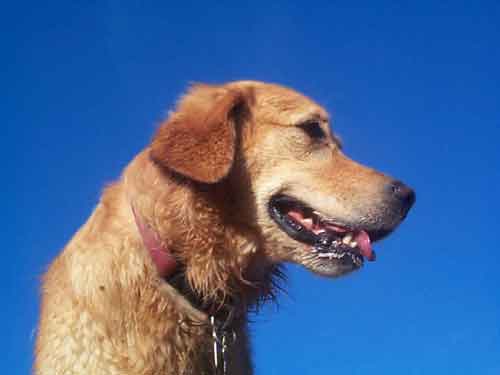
(365, 245)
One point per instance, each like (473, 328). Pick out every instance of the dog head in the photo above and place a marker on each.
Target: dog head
(284, 172)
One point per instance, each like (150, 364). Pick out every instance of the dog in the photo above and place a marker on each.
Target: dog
(239, 179)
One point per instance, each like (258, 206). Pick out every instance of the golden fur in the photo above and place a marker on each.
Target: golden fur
(204, 186)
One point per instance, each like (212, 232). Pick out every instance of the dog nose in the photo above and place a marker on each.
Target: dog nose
(402, 193)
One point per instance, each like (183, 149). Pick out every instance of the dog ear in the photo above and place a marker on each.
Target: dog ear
(199, 138)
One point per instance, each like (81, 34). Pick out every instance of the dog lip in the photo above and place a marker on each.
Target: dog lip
(306, 225)
(294, 230)
(335, 224)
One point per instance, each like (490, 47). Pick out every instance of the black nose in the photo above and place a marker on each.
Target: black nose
(402, 193)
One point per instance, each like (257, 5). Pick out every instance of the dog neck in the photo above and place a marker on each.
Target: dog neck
(189, 235)
(170, 270)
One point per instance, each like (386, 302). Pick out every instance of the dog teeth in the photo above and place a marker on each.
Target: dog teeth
(308, 223)
(347, 238)
(317, 214)
(331, 255)
(328, 248)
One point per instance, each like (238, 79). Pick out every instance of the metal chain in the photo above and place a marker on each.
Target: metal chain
(222, 338)
(215, 343)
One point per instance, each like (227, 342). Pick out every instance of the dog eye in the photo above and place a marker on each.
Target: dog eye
(313, 130)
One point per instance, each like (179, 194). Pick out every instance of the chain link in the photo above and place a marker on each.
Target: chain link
(222, 338)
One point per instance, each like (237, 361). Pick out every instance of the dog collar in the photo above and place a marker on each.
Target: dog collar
(163, 259)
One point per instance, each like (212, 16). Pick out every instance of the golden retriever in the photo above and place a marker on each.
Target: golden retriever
(240, 178)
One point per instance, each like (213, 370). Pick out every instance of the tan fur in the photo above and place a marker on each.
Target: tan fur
(203, 185)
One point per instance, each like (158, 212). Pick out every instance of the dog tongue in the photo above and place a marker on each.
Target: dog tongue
(365, 246)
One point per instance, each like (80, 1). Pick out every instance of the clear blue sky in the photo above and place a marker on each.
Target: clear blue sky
(414, 89)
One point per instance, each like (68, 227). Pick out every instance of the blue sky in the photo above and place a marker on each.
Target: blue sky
(414, 90)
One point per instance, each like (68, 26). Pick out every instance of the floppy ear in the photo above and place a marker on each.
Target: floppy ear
(199, 139)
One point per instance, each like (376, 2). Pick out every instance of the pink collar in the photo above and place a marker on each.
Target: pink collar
(163, 259)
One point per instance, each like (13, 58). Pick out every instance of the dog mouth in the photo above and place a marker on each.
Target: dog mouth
(328, 239)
